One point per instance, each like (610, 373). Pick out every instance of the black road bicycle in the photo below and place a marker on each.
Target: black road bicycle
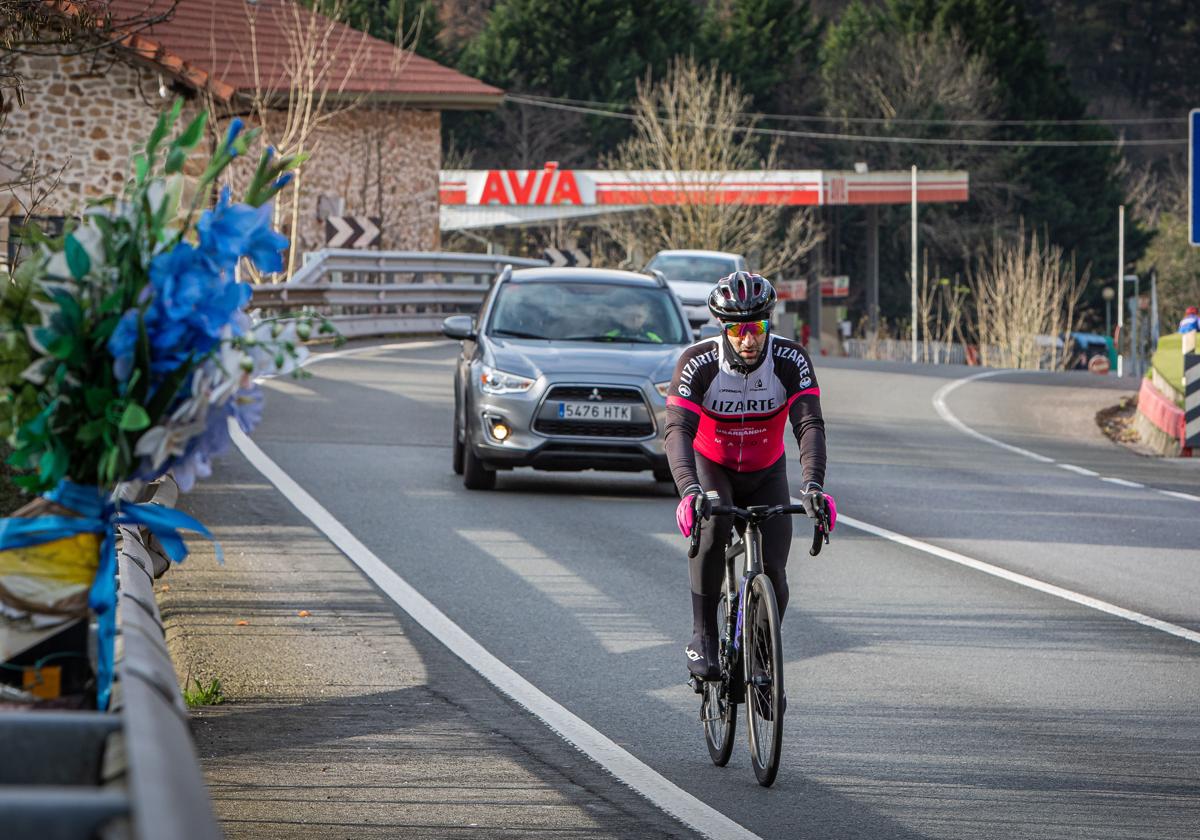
(750, 652)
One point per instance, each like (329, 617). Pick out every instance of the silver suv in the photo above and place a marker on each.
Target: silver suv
(565, 369)
(692, 274)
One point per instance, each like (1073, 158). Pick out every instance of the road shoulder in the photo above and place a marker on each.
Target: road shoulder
(344, 717)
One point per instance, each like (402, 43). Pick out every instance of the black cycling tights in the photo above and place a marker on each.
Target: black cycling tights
(707, 568)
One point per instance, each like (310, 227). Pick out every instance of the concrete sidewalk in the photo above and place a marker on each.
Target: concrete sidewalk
(351, 721)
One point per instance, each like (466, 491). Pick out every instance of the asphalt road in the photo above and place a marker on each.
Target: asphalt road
(926, 699)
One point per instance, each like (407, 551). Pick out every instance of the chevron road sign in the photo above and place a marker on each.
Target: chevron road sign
(1191, 402)
(351, 231)
(566, 257)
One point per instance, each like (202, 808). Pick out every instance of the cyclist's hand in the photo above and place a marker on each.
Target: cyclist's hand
(816, 506)
(831, 508)
(691, 507)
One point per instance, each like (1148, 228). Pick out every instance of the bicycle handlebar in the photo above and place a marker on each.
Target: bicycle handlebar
(760, 514)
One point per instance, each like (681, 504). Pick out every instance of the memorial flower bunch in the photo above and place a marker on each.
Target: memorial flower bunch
(126, 351)
(142, 349)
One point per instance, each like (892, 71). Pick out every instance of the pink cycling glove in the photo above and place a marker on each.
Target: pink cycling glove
(685, 511)
(685, 515)
(832, 512)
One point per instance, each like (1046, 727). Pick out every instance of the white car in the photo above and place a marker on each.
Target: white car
(692, 274)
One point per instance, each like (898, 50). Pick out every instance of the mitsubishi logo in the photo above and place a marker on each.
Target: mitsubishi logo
(595, 395)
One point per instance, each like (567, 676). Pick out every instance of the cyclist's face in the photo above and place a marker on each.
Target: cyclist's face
(748, 344)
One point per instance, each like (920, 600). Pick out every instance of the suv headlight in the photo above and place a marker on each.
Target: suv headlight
(662, 388)
(494, 381)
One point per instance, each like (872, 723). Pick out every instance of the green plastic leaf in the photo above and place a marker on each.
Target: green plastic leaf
(141, 166)
(165, 120)
(192, 134)
(134, 419)
(78, 260)
(175, 160)
(91, 431)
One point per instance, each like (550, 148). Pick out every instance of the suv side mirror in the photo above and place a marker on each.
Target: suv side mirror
(461, 327)
(707, 331)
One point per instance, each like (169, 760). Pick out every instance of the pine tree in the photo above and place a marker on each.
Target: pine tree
(594, 50)
(768, 46)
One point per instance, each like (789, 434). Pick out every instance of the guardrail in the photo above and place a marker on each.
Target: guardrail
(369, 293)
(130, 772)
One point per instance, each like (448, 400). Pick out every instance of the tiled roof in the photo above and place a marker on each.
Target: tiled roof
(207, 43)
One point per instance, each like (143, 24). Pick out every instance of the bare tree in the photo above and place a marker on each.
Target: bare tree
(1026, 295)
(905, 79)
(36, 28)
(294, 101)
(691, 125)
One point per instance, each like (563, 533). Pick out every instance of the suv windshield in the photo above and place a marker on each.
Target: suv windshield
(693, 269)
(587, 312)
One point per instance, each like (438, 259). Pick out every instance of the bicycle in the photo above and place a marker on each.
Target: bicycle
(750, 651)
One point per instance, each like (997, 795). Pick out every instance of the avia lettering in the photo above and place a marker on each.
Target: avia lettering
(530, 187)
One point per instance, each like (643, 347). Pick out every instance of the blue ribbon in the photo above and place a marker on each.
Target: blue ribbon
(98, 513)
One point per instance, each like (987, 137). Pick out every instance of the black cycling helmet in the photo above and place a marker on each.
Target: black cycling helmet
(742, 297)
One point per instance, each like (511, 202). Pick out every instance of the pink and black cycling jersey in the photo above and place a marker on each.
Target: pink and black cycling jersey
(737, 419)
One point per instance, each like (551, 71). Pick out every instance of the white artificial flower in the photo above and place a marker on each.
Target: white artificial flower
(163, 195)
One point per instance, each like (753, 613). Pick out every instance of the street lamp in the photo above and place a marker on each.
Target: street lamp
(1108, 294)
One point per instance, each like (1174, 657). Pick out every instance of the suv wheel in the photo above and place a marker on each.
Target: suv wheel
(459, 448)
(476, 476)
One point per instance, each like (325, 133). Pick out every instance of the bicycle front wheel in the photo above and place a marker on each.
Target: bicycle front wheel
(717, 710)
(763, 656)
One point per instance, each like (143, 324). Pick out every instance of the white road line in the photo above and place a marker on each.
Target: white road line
(354, 351)
(939, 404)
(1019, 579)
(1175, 494)
(1121, 481)
(641, 778)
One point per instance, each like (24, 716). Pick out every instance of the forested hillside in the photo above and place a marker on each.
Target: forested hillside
(1061, 110)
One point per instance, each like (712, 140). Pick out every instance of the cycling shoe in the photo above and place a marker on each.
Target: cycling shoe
(701, 654)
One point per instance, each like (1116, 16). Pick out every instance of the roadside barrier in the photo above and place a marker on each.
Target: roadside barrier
(130, 772)
(371, 293)
(1191, 378)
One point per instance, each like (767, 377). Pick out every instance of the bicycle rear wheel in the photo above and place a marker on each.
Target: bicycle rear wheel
(717, 710)
(762, 650)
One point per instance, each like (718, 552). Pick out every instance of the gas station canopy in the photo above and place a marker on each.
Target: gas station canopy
(498, 197)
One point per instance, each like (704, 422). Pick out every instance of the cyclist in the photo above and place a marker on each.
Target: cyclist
(730, 399)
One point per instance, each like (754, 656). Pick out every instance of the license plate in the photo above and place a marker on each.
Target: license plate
(595, 411)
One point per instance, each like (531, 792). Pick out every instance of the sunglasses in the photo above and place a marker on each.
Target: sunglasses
(755, 328)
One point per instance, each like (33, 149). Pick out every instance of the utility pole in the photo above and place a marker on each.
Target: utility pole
(914, 264)
(1120, 288)
(1154, 325)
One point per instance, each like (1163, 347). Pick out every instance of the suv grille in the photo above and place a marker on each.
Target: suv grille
(590, 428)
(608, 393)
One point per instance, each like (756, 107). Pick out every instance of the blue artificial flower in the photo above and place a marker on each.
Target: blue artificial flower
(181, 278)
(247, 407)
(283, 180)
(122, 344)
(264, 247)
(235, 128)
(225, 229)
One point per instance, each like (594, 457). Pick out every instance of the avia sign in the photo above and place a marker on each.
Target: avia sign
(553, 187)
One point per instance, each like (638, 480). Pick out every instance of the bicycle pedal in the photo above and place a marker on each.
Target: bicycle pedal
(696, 684)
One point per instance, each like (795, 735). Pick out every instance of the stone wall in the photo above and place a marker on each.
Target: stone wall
(377, 161)
(83, 117)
